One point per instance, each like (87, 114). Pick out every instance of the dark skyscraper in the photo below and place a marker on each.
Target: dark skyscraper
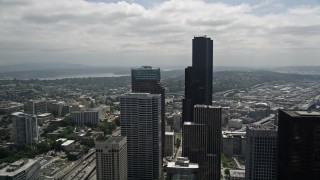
(198, 78)
(261, 155)
(202, 141)
(298, 145)
(147, 80)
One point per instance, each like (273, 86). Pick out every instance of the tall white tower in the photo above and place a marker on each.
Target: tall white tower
(140, 119)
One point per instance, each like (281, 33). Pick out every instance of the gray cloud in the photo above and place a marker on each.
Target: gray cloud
(78, 31)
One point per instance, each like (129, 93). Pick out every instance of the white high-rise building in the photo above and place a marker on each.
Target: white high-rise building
(85, 117)
(141, 122)
(111, 159)
(24, 128)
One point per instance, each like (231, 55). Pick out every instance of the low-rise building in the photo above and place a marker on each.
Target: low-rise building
(7, 107)
(85, 117)
(234, 143)
(68, 145)
(182, 169)
(44, 117)
(237, 174)
(20, 170)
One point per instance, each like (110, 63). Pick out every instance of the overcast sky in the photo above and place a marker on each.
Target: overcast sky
(159, 33)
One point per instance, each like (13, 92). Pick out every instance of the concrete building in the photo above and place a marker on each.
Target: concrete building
(111, 159)
(140, 120)
(237, 174)
(169, 144)
(24, 128)
(85, 117)
(35, 107)
(182, 169)
(147, 80)
(24, 169)
(68, 145)
(261, 157)
(298, 145)
(57, 108)
(7, 107)
(202, 141)
(234, 143)
(198, 77)
(177, 122)
(77, 107)
(44, 117)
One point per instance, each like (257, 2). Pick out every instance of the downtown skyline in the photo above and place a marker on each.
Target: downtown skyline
(113, 33)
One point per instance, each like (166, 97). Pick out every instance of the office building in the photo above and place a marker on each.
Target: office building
(202, 141)
(35, 107)
(24, 128)
(24, 169)
(140, 120)
(261, 152)
(234, 143)
(85, 117)
(8, 107)
(182, 169)
(298, 145)
(147, 80)
(111, 159)
(169, 144)
(198, 77)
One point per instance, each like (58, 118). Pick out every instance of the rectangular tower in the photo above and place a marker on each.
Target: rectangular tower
(140, 120)
(111, 159)
(298, 145)
(147, 80)
(261, 152)
(198, 77)
(24, 128)
(202, 141)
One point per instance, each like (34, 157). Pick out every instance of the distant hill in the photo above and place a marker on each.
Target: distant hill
(311, 70)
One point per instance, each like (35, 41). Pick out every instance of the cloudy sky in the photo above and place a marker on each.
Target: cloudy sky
(159, 33)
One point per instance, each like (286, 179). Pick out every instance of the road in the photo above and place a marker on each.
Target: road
(70, 170)
(238, 164)
(85, 170)
(262, 121)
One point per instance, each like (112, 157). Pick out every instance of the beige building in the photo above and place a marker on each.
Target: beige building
(111, 159)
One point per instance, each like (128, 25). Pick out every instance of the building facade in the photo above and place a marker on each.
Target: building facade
(85, 117)
(35, 107)
(24, 169)
(140, 120)
(169, 144)
(198, 77)
(298, 145)
(202, 141)
(261, 152)
(147, 80)
(111, 159)
(24, 128)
